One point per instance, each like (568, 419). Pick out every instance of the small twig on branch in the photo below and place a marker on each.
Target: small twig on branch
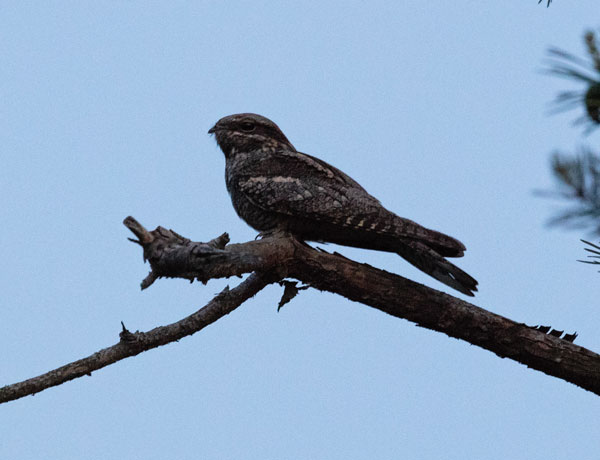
(290, 290)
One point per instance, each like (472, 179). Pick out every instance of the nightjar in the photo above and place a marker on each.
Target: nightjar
(275, 187)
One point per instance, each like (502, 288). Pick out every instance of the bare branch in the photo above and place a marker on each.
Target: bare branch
(441, 312)
(133, 343)
(398, 297)
(279, 256)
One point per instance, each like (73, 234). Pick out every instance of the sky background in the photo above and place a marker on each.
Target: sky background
(437, 108)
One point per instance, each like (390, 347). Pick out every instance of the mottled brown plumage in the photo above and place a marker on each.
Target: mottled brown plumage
(273, 186)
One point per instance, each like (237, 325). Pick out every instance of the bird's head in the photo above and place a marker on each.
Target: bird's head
(247, 132)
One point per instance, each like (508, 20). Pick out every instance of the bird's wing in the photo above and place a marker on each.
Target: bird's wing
(298, 185)
(304, 187)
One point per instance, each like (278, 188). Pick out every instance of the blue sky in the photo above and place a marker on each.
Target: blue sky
(437, 108)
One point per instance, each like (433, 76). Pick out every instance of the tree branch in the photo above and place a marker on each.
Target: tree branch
(390, 293)
(133, 343)
(435, 310)
(278, 256)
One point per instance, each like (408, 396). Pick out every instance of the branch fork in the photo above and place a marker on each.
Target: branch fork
(276, 257)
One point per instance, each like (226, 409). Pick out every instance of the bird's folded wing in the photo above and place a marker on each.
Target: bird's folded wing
(298, 185)
(304, 187)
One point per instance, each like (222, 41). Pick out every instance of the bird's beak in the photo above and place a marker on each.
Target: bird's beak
(212, 130)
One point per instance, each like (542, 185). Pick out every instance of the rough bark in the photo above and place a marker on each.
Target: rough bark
(279, 256)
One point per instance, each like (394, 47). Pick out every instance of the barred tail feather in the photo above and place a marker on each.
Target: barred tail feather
(430, 262)
(442, 244)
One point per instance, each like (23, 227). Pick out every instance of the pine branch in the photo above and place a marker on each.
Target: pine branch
(578, 179)
(566, 65)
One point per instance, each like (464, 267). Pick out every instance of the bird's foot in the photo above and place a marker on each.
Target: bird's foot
(272, 233)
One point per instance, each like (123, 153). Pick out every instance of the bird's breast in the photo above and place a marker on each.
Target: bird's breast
(258, 218)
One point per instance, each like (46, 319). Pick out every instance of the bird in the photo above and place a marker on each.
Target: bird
(274, 187)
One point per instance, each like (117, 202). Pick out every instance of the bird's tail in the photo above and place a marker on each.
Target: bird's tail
(429, 261)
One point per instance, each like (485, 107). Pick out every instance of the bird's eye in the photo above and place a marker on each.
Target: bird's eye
(247, 126)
